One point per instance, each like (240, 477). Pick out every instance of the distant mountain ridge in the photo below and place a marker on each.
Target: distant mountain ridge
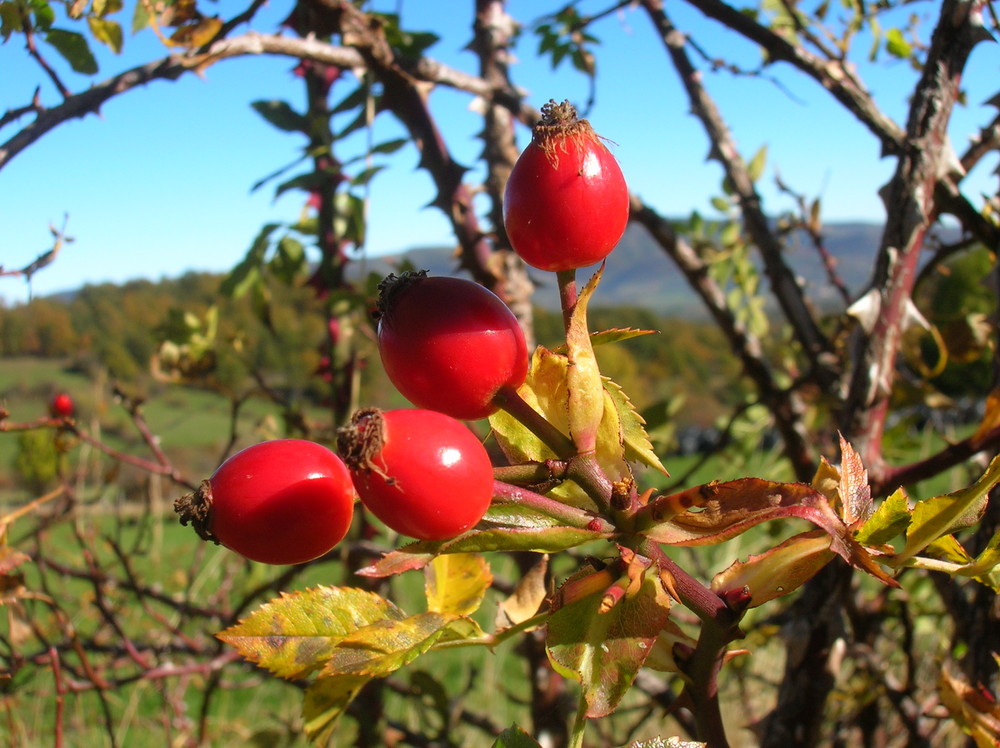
(639, 273)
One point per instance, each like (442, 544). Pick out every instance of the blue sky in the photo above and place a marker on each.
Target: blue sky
(160, 182)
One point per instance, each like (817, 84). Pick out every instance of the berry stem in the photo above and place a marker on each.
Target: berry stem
(510, 400)
(566, 279)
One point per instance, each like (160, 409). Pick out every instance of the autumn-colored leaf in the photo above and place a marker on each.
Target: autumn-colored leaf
(715, 512)
(296, 633)
(776, 572)
(854, 491)
(976, 712)
(991, 417)
(456, 583)
(385, 646)
(527, 599)
(604, 650)
(195, 34)
(326, 700)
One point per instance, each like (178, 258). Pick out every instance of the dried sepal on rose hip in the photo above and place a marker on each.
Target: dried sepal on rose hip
(422, 473)
(566, 203)
(285, 501)
(449, 344)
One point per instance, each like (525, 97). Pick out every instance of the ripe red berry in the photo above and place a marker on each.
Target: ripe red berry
(449, 344)
(424, 474)
(285, 501)
(566, 203)
(61, 406)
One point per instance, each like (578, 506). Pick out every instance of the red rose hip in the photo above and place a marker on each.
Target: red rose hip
(423, 473)
(566, 203)
(285, 501)
(449, 344)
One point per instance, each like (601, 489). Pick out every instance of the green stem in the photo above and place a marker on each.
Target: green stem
(579, 724)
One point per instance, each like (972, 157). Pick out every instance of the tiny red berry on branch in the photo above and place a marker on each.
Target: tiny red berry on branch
(566, 203)
(61, 406)
(285, 501)
(423, 473)
(449, 344)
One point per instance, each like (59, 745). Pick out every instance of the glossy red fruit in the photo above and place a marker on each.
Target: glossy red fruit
(449, 344)
(285, 501)
(424, 474)
(566, 203)
(61, 406)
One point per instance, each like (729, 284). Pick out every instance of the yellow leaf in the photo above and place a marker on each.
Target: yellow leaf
(456, 583)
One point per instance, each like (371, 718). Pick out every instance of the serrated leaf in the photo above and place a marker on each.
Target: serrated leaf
(888, 521)
(853, 491)
(281, 114)
(604, 650)
(633, 429)
(515, 737)
(725, 510)
(456, 583)
(295, 633)
(942, 515)
(386, 645)
(326, 699)
(74, 49)
(778, 571)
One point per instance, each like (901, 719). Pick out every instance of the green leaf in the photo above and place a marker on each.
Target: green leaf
(889, 520)
(721, 204)
(604, 650)
(107, 32)
(281, 115)
(896, 44)
(942, 515)
(505, 527)
(326, 700)
(74, 48)
(246, 274)
(289, 260)
(456, 583)
(515, 737)
(296, 633)
(386, 645)
(755, 169)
